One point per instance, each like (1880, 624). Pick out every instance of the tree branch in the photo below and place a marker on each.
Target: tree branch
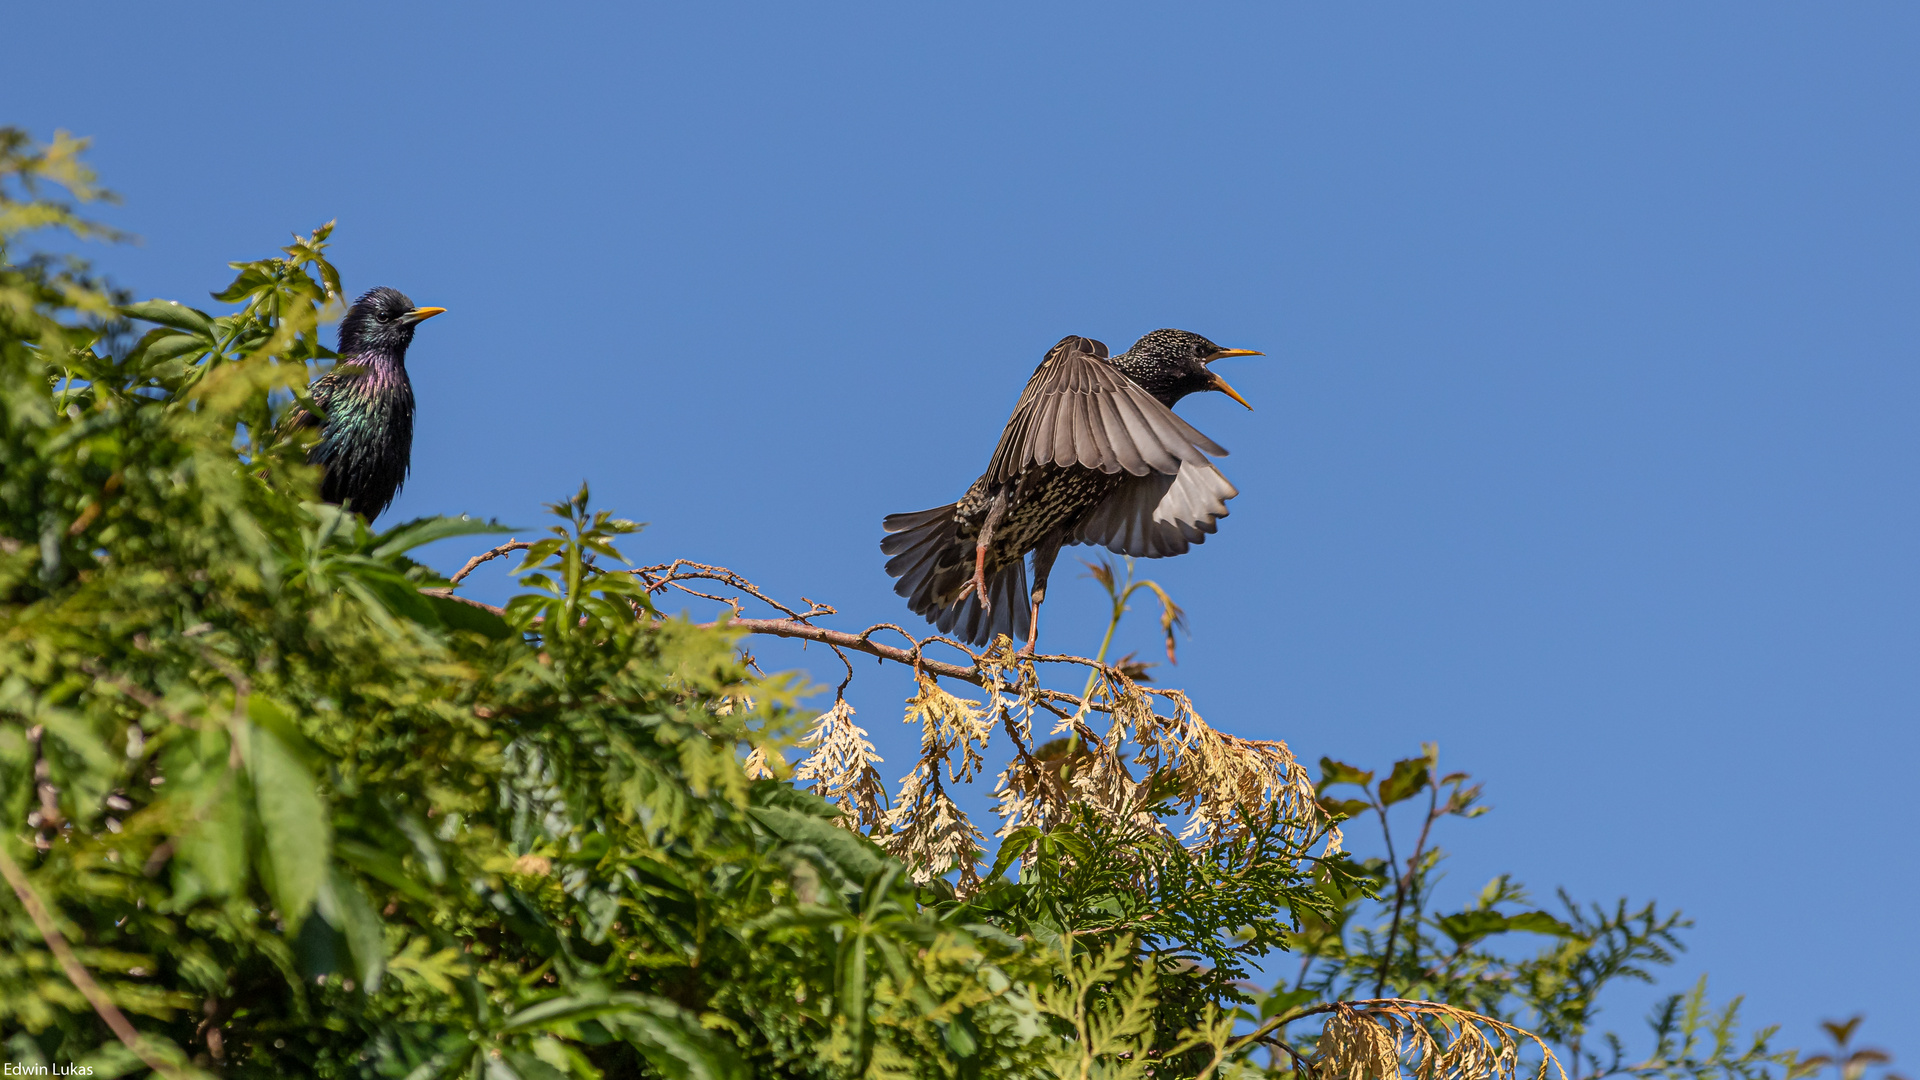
(488, 556)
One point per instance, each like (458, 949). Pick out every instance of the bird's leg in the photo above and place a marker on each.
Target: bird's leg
(978, 586)
(1043, 557)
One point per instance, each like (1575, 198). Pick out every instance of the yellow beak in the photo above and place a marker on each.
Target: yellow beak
(422, 314)
(1219, 383)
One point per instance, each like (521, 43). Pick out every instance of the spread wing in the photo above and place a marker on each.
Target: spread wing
(1157, 515)
(1078, 409)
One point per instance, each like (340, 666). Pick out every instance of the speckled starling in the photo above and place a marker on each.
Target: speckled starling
(366, 440)
(1093, 455)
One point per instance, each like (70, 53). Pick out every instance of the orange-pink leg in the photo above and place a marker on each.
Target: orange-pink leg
(979, 583)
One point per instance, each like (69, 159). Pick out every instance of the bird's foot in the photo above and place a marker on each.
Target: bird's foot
(972, 588)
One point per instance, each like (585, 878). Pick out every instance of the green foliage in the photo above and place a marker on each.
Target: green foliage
(1392, 939)
(276, 802)
(300, 813)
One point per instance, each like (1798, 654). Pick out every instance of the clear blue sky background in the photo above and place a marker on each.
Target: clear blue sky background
(1585, 445)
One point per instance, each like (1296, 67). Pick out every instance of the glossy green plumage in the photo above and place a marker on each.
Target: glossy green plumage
(366, 440)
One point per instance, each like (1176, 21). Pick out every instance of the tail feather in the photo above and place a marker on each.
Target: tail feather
(933, 564)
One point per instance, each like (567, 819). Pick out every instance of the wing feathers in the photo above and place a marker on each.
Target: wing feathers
(1157, 515)
(1078, 409)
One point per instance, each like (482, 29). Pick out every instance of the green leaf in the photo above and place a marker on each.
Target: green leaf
(412, 534)
(1468, 927)
(382, 866)
(674, 1043)
(458, 614)
(856, 857)
(1282, 1000)
(670, 1037)
(1012, 848)
(1339, 772)
(168, 346)
(524, 1067)
(1345, 808)
(264, 711)
(555, 1012)
(1539, 922)
(212, 845)
(392, 594)
(250, 280)
(295, 833)
(1409, 778)
(344, 904)
(174, 314)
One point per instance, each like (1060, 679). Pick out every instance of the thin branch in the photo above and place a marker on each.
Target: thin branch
(674, 575)
(1300, 1065)
(488, 556)
(76, 972)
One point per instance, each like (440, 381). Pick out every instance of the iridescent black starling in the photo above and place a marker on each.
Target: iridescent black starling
(367, 441)
(1093, 455)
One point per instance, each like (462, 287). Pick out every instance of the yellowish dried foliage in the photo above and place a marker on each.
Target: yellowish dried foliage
(1422, 1040)
(841, 768)
(1220, 779)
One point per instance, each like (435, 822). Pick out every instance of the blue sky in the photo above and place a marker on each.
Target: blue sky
(1584, 445)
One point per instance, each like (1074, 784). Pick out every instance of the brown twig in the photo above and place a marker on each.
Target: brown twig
(663, 575)
(797, 625)
(488, 556)
(76, 972)
(1300, 1065)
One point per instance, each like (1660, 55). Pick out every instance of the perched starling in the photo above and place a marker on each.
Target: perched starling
(366, 442)
(1093, 455)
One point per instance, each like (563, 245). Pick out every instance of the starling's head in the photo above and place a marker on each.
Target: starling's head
(1170, 364)
(381, 321)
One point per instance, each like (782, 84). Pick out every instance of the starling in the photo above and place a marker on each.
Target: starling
(1092, 455)
(366, 440)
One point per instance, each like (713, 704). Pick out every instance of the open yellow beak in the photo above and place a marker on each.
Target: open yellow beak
(422, 314)
(1219, 383)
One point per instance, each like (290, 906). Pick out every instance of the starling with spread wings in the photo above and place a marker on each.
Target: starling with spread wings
(1093, 455)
